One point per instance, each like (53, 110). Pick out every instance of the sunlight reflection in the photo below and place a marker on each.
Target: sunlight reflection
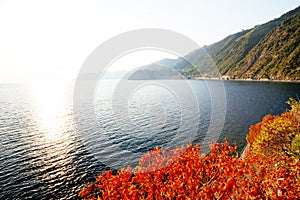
(53, 129)
(49, 101)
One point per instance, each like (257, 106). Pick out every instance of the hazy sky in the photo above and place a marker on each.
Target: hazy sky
(42, 39)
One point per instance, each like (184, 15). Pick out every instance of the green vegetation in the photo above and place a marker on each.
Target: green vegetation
(270, 50)
(276, 56)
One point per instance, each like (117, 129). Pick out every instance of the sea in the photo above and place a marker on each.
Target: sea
(54, 142)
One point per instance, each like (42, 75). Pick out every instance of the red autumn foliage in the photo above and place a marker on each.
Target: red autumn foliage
(183, 173)
(218, 175)
(255, 129)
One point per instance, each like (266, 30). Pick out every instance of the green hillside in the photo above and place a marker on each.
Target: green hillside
(276, 56)
(240, 55)
(270, 50)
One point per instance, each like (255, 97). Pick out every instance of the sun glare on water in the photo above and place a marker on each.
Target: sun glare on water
(52, 128)
(49, 102)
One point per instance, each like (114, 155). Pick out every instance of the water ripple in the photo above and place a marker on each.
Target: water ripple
(42, 155)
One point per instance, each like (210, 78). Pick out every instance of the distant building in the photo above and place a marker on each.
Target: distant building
(264, 79)
(225, 77)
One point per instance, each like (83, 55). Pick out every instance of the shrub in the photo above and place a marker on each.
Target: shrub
(274, 135)
(270, 170)
(218, 175)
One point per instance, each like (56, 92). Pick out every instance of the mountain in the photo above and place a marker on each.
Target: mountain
(270, 50)
(162, 69)
(276, 56)
(105, 76)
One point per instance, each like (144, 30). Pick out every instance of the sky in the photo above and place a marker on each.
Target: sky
(42, 39)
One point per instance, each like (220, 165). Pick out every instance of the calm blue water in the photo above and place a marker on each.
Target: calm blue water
(44, 155)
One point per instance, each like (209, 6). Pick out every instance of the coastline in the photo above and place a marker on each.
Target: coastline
(217, 79)
(280, 81)
(246, 148)
(246, 80)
